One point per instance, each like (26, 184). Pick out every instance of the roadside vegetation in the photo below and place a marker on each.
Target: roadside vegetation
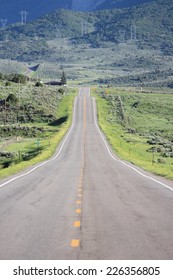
(139, 126)
(33, 120)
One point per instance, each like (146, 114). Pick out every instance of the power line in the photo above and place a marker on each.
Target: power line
(3, 22)
(84, 28)
(23, 16)
(133, 32)
(122, 36)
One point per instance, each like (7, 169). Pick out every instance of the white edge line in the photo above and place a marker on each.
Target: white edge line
(47, 161)
(101, 133)
(133, 168)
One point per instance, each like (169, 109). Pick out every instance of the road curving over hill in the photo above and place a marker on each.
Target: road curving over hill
(85, 203)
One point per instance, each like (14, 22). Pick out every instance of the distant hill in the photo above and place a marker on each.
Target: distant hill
(10, 9)
(152, 23)
(101, 39)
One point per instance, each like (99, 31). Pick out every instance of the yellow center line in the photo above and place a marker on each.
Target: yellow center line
(84, 112)
(75, 243)
(78, 211)
(77, 224)
(78, 202)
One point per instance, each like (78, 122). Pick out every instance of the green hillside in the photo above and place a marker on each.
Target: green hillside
(153, 21)
(123, 46)
(138, 127)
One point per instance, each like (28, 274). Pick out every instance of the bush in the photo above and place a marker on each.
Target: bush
(8, 83)
(161, 160)
(4, 154)
(39, 84)
(1, 76)
(61, 91)
(18, 78)
(12, 99)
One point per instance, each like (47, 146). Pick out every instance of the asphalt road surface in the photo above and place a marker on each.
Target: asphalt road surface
(85, 203)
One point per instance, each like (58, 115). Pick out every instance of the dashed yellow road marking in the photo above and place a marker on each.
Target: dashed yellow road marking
(84, 112)
(78, 211)
(75, 243)
(78, 202)
(77, 224)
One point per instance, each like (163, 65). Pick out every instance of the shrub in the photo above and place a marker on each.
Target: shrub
(8, 83)
(39, 84)
(12, 99)
(18, 78)
(61, 91)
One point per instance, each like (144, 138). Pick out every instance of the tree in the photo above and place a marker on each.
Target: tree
(63, 78)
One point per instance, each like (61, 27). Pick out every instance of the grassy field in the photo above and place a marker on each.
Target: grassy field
(123, 64)
(139, 127)
(28, 150)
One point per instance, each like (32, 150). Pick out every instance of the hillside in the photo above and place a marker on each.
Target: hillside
(153, 24)
(102, 40)
(153, 27)
(10, 9)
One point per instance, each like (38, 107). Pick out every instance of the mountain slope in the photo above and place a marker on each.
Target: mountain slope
(153, 21)
(10, 9)
(106, 44)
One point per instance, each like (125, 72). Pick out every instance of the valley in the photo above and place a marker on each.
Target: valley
(86, 133)
(130, 46)
(123, 53)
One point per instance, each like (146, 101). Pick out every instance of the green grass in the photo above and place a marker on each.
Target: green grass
(153, 117)
(42, 148)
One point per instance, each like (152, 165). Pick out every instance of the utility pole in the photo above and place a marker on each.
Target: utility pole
(6, 38)
(82, 31)
(23, 16)
(133, 32)
(122, 36)
(58, 33)
(84, 28)
(3, 22)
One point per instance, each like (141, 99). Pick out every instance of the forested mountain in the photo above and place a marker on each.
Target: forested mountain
(137, 39)
(10, 9)
(152, 24)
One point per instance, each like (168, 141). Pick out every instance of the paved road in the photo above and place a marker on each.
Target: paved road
(85, 203)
